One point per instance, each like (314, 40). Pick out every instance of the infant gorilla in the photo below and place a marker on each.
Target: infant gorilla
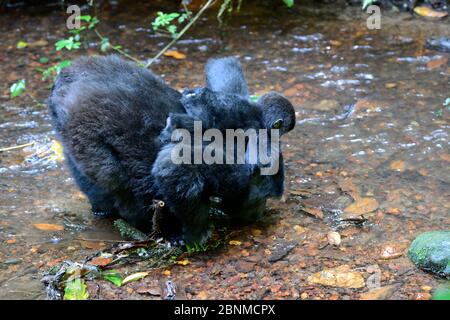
(109, 115)
(223, 105)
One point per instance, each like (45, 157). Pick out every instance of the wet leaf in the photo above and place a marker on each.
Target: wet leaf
(429, 13)
(398, 165)
(382, 293)
(392, 251)
(341, 277)
(183, 262)
(100, 261)
(48, 227)
(22, 44)
(113, 277)
(362, 206)
(38, 43)
(58, 153)
(334, 238)
(390, 85)
(314, 212)
(436, 63)
(75, 290)
(175, 54)
(17, 88)
(134, 277)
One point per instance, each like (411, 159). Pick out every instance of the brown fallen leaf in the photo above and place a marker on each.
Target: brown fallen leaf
(48, 227)
(429, 13)
(341, 277)
(382, 293)
(436, 63)
(347, 186)
(390, 85)
(202, 295)
(391, 251)
(398, 165)
(100, 261)
(183, 262)
(38, 43)
(334, 238)
(313, 211)
(175, 54)
(362, 206)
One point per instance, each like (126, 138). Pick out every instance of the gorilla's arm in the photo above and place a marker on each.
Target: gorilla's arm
(182, 188)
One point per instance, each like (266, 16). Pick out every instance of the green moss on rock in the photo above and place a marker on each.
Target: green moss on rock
(430, 251)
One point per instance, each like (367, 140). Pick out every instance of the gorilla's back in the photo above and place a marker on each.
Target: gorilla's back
(114, 84)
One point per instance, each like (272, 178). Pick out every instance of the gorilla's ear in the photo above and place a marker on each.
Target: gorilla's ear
(226, 75)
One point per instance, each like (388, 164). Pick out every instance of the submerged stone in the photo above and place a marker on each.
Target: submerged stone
(430, 251)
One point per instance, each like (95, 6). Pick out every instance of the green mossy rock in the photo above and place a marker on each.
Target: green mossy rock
(430, 251)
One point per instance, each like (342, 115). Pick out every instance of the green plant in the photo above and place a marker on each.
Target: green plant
(53, 71)
(366, 3)
(17, 88)
(166, 21)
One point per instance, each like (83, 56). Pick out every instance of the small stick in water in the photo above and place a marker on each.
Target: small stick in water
(17, 147)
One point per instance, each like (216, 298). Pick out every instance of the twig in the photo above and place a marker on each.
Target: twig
(179, 35)
(102, 240)
(139, 62)
(17, 147)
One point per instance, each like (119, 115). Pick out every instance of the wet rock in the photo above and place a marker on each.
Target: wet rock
(12, 261)
(430, 251)
(439, 44)
(391, 251)
(245, 267)
(341, 277)
(382, 293)
(334, 238)
(282, 250)
(324, 105)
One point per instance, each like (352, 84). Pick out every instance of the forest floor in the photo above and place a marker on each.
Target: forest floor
(367, 165)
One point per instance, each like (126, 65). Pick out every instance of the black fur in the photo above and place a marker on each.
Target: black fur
(108, 114)
(242, 188)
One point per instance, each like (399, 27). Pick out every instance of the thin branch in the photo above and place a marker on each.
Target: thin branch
(139, 62)
(179, 35)
(17, 147)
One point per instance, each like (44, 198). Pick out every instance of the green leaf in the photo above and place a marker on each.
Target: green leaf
(447, 102)
(44, 60)
(69, 44)
(172, 29)
(17, 88)
(367, 3)
(93, 23)
(442, 293)
(254, 98)
(22, 44)
(86, 18)
(113, 277)
(75, 289)
(164, 19)
(289, 3)
(134, 277)
(105, 45)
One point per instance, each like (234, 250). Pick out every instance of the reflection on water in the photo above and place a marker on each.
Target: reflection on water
(369, 107)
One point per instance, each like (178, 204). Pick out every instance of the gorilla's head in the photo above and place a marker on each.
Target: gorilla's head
(278, 112)
(275, 111)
